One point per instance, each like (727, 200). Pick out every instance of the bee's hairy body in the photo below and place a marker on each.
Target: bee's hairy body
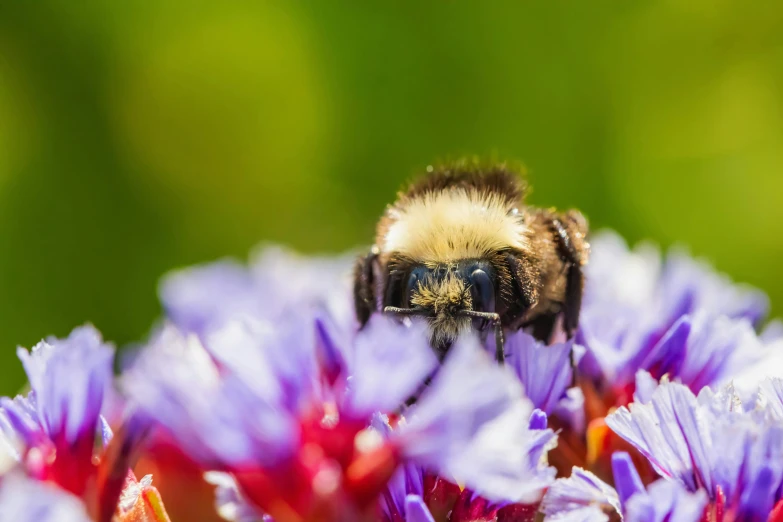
(461, 240)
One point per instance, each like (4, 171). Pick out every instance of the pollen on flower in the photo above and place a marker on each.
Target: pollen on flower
(368, 440)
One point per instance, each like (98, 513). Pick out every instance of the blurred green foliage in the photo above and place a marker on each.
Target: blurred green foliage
(138, 137)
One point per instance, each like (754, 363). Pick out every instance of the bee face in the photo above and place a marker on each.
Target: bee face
(443, 293)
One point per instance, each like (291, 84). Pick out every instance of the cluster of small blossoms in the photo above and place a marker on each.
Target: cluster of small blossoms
(59, 460)
(299, 420)
(260, 399)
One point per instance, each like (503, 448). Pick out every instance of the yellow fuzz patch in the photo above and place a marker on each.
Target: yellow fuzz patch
(452, 225)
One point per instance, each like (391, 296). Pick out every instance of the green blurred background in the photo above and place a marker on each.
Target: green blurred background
(139, 137)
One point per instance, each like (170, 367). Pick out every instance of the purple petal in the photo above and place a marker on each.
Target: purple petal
(70, 378)
(331, 344)
(26, 500)
(667, 355)
(390, 363)
(290, 281)
(631, 302)
(407, 480)
(645, 386)
(20, 422)
(669, 431)
(218, 418)
(416, 510)
(538, 420)
(11, 446)
(276, 283)
(277, 361)
(770, 397)
(582, 496)
(106, 433)
(571, 409)
(230, 504)
(579, 514)
(708, 442)
(626, 479)
(472, 424)
(717, 348)
(693, 281)
(201, 297)
(666, 501)
(545, 371)
(758, 499)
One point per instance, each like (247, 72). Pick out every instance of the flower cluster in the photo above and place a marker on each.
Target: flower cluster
(61, 460)
(310, 423)
(260, 389)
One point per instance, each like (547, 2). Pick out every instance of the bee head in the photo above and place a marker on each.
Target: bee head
(448, 294)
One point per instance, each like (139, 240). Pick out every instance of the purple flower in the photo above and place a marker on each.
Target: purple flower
(407, 482)
(585, 497)
(219, 415)
(545, 371)
(582, 496)
(639, 280)
(61, 415)
(251, 398)
(383, 375)
(674, 316)
(69, 379)
(709, 443)
(662, 501)
(23, 499)
(473, 424)
(416, 510)
(412, 493)
(701, 350)
(230, 504)
(276, 282)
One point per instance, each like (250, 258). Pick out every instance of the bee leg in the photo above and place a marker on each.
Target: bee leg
(494, 320)
(574, 367)
(500, 354)
(571, 252)
(364, 286)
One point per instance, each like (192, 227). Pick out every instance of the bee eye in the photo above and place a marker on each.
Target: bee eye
(414, 279)
(482, 291)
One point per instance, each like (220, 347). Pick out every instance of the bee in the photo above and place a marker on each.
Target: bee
(460, 248)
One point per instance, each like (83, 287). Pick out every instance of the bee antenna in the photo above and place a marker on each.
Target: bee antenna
(393, 310)
(489, 316)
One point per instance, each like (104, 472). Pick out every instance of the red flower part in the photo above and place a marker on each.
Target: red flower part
(470, 508)
(440, 496)
(777, 513)
(338, 472)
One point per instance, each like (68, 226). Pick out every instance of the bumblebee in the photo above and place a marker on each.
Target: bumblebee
(460, 248)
